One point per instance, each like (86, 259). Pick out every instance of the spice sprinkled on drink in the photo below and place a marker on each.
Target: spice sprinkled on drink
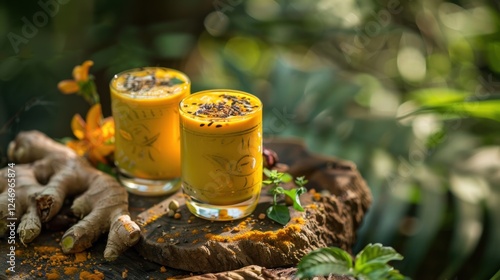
(220, 109)
(149, 83)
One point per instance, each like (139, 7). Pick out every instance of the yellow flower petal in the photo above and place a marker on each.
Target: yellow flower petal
(78, 126)
(108, 120)
(78, 146)
(108, 128)
(85, 68)
(94, 118)
(68, 86)
(105, 149)
(81, 72)
(77, 73)
(95, 157)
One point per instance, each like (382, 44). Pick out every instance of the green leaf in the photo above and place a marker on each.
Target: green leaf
(301, 190)
(438, 96)
(301, 181)
(294, 195)
(279, 213)
(375, 254)
(491, 258)
(285, 178)
(88, 91)
(496, 276)
(396, 199)
(374, 271)
(468, 225)
(395, 275)
(274, 175)
(377, 271)
(268, 172)
(489, 109)
(325, 261)
(278, 190)
(430, 213)
(267, 182)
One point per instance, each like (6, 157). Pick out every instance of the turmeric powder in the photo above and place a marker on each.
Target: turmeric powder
(282, 235)
(69, 271)
(53, 275)
(97, 275)
(50, 262)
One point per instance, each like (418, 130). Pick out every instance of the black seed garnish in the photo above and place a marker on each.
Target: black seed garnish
(219, 125)
(202, 124)
(210, 123)
(142, 84)
(231, 106)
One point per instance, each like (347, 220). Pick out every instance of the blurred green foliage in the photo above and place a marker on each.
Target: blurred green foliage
(408, 90)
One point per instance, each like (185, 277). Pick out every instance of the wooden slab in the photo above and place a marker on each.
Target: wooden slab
(334, 207)
(352, 197)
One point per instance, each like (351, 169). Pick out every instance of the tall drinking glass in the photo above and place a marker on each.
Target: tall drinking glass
(221, 153)
(145, 107)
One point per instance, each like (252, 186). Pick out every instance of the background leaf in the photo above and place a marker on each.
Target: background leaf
(469, 192)
(438, 96)
(431, 212)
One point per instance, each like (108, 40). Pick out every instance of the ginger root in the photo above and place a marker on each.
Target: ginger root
(47, 172)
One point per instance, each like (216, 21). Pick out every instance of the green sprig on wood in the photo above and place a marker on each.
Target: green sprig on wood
(279, 212)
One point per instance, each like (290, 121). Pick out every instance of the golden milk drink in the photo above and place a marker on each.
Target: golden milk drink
(145, 107)
(221, 153)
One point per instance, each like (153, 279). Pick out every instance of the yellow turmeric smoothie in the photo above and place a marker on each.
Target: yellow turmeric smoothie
(221, 149)
(145, 109)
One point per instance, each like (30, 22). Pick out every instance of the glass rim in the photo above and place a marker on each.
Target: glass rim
(223, 90)
(137, 69)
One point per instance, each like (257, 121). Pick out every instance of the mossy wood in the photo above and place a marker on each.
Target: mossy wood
(334, 207)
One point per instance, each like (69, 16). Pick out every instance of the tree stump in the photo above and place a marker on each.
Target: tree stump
(334, 207)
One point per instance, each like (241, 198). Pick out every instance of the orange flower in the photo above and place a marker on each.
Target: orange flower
(80, 74)
(95, 135)
(82, 84)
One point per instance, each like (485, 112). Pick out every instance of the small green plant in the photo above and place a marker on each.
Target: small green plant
(279, 212)
(370, 263)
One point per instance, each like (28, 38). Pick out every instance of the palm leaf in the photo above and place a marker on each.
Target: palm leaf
(468, 221)
(430, 213)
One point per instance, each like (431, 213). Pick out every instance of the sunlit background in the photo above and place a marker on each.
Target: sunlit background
(408, 90)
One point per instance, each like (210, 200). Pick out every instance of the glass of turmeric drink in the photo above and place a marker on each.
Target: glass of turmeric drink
(221, 153)
(145, 107)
